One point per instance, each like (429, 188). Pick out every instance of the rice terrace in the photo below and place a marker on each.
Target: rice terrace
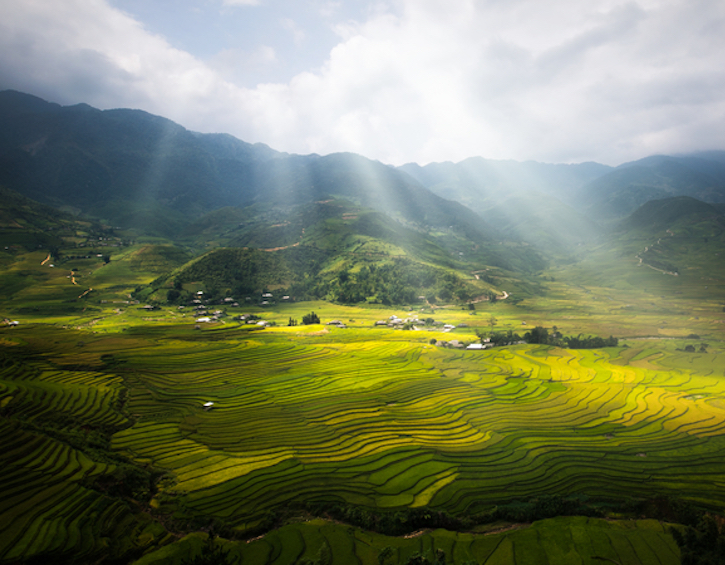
(353, 424)
(334, 365)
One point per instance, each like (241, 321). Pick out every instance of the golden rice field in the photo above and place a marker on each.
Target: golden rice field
(389, 423)
(375, 418)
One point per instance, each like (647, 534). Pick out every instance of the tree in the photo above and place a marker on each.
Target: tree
(211, 554)
(537, 335)
(310, 318)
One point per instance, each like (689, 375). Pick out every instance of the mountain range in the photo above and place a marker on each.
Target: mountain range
(332, 217)
(124, 164)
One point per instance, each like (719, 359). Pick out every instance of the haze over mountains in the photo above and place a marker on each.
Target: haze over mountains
(137, 170)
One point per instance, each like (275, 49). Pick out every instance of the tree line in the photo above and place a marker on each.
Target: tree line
(541, 335)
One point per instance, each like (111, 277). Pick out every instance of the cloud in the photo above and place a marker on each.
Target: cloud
(417, 80)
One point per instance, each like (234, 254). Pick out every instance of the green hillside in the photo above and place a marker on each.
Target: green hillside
(546, 223)
(663, 214)
(383, 430)
(631, 185)
(330, 249)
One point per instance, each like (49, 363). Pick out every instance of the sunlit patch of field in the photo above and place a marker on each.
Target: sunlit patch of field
(390, 423)
(366, 416)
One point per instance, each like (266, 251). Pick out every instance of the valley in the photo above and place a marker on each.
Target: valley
(163, 398)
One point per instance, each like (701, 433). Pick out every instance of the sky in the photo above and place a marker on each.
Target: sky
(562, 81)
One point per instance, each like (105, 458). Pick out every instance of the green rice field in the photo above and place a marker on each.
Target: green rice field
(379, 419)
(109, 451)
(564, 541)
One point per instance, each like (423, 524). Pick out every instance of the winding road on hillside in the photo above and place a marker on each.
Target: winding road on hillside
(646, 249)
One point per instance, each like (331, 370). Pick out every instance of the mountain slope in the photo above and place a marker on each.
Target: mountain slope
(543, 221)
(667, 247)
(144, 171)
(483, 183)
(603, 193)
(113, 164)
(674, 212)
(332, 249)
(623, 190)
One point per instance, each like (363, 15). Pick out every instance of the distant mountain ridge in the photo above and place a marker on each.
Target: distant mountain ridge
(620, 192)
(601, 192)
(480, 182)
(140, 170)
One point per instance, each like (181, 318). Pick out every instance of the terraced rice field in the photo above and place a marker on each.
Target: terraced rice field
(390, 423)
(47, 504)
(376, 418)
(563, 541)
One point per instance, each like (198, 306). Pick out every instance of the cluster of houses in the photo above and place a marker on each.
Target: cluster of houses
(414, 322)
(82, 257)
(395, 322)
(267, 298)
(252, 319)
(203, 313)
(455, 344)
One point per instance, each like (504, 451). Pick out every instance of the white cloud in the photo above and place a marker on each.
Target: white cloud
(606, 80)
